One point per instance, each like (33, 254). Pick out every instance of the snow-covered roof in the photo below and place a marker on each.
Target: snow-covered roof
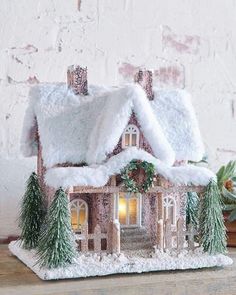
(98, 175)
(76, 129)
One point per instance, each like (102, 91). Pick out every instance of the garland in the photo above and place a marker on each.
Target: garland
(130, 183)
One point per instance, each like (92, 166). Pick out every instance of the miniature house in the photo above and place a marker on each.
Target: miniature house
(84, 136)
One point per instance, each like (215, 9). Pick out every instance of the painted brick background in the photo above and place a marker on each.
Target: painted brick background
(189, 44)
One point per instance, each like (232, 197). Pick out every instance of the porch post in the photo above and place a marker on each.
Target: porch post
(113, 243)
(160, 209)
(113, 201)
(116, 204)
(160, 223)
(140, 210)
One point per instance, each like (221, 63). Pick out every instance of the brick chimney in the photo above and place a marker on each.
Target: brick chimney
(77, 79)
(144, 78)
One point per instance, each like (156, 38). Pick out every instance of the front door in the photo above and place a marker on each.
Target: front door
(129, 209)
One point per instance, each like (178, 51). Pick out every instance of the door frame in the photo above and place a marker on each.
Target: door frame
(127, 196)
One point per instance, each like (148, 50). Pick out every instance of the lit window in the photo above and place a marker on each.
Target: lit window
(128, 209)
(130, 136)
(79, 214)
(170, 209)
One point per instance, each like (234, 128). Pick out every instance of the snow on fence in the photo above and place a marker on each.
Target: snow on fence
(112, 238)
(178, 238)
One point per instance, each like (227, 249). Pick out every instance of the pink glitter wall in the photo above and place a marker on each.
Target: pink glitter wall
(143, 143)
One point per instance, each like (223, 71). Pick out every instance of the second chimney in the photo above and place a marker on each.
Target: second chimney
(144, 78)
(77, 79)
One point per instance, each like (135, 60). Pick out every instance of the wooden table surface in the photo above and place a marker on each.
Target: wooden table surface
(16, 278)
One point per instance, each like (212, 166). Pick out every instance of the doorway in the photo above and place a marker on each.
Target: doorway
(129, 209)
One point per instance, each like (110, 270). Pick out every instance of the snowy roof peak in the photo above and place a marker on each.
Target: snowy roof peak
(114, 118)
(76, 128)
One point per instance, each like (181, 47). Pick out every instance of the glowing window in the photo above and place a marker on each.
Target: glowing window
(122, 210)
(79, 214)
(130, 136)
(170, 209)
(128, 210)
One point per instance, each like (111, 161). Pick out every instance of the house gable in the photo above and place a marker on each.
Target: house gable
(115, 117)
(142, 141)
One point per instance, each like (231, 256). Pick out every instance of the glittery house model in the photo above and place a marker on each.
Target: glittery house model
(84, 138)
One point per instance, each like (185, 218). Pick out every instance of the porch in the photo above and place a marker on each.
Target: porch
(126, 211)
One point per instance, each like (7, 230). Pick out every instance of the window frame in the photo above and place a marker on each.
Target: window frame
(168, 202)
(130, 130)
(78, 204)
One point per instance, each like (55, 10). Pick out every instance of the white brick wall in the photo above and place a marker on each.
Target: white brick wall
(189, 44)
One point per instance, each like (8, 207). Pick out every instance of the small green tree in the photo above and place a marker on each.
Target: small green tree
(192, 209)
(212, 229)
(57, 247)
(32, 213)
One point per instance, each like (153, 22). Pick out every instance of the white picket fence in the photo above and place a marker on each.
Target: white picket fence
(112, 237)
(84, 237)
(179, 238)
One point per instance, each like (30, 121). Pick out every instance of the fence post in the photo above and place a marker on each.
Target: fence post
(109, 236)
(191, 232)
(160, 234)
(180, 233)
(116, 237)
(84, 241)
(168, 234)
(97, 238)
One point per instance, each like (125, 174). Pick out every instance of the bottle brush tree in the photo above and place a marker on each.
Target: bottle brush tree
(192, 209)
(57, 247)
(212, 228)
(32, 213)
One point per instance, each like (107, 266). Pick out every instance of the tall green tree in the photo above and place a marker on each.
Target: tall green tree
(192, 209)
(57, 247)
(32, 213)
(212, 228)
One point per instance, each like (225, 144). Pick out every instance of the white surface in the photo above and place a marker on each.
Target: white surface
(100, 265)
(98, 175)
(41, 39)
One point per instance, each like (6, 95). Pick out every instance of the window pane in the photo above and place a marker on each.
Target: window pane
(133, 211)
(82, 215)
(127, 139)
(122, 210)
(171, 214)
(82, 206)
(74, 219)
(165, 213)
(134, 139)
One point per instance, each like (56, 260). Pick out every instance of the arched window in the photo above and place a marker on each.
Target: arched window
(170, 209)
(79, 214)
(130, 136)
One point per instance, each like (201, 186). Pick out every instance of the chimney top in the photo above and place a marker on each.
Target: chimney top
(144, 78)
(77, 79)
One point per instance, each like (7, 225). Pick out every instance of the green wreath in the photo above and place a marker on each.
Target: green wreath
(130, 183)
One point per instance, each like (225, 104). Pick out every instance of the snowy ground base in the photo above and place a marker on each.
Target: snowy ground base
(135, 262)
